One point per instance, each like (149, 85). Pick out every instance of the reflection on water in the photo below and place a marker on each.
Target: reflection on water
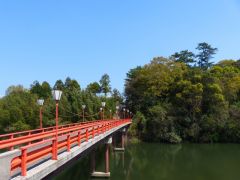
(162, 161)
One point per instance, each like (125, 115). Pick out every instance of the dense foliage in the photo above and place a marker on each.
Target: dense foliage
(19, 110)
(175, 99)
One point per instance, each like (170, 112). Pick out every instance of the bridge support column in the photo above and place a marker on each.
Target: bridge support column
(122, 148)
(93, 162)
(106, 158)
(107, 171)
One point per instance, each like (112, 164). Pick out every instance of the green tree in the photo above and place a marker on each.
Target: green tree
(15, 89)
(94, 88)
(116, 95)
(105, 84)
(19, 111)
(185, 56)
(42, 90)
(205, 54)
(59, 85)
(46, 90)
(138, 127)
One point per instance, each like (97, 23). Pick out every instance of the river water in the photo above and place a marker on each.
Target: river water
(150, 161)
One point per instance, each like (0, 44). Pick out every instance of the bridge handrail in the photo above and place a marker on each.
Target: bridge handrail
(11, 135)
(10, 143)
(74, 137)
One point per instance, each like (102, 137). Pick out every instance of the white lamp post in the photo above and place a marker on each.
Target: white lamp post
(101, 109)
(117, 108)
(40, 102)
(124, 113)
(110, 114)
(56, 96)
(103, 106)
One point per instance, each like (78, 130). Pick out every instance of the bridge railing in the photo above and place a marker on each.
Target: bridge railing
(36, 131)
(34, 153)
(19, 141)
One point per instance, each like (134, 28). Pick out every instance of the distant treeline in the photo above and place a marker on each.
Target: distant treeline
(19, 109)
(185, 98)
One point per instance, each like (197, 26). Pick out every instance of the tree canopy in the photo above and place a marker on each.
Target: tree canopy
(105, 84)
(174, 101)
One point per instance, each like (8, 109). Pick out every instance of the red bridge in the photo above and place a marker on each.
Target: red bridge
(37, 153)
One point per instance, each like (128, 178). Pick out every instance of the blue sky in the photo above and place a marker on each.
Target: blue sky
(53, 39)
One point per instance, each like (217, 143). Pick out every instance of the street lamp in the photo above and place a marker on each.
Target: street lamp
(110, 114)
(127, 113)
(101, 109)
(40, 102)
(124, 113)
(83, 108)
(103, 106)
(117, 108)
(56, 96)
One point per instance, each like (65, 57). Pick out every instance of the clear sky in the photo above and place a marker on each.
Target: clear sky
(53, 39)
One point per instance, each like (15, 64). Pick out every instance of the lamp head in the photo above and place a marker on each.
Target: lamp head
(103, 104)
(56, 95)
(40, 102)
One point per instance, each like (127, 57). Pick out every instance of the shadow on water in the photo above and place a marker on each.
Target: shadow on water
(162, 161)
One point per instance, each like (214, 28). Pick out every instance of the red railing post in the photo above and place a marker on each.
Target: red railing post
(79, 138)
(68, 143)
(40, 115)
(24, 162)
(54, 149)
(93, 132)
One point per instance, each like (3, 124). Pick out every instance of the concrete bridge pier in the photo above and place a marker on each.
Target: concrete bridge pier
(105, 174)
(123, 135)
(93, 161)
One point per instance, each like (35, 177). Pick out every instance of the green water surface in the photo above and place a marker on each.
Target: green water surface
(145, 161)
